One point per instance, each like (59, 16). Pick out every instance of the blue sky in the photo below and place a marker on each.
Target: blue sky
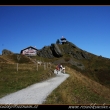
(88, 27)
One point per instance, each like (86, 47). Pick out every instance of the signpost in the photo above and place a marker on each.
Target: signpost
(36, 64)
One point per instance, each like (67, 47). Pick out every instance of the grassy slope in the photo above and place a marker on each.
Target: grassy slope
(82, 87)
(96, 68)
(91, 85)
(79, 89)
(12, 80)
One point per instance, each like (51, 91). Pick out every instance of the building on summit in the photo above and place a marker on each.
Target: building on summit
(63, 40)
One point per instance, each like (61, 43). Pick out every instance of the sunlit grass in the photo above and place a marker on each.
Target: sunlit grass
(78, 89)
(12, 80)
(91, 85)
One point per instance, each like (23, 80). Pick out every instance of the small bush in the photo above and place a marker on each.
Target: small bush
(79, 64)
(95, 69)
(66, 59)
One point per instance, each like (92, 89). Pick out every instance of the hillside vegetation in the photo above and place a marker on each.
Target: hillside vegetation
(79, 89)
(95, 67)
(89, 80)
(13, 79)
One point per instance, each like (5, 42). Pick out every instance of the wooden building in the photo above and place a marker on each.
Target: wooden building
(29, 51)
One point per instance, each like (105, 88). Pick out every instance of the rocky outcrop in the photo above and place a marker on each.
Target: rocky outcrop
(50, 51)
(79, 55)
(6, 52)
(45, 52)
(58, 50)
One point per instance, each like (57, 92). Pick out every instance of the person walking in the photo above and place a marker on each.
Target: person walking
(63, 70)
(61, 67)
(57, 68)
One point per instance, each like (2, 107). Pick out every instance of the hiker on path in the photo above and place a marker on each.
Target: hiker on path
(57, 68)
(63, 70)
(61, 67)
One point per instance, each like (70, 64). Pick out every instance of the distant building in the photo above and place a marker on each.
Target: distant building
(29, 51)
(63, 40)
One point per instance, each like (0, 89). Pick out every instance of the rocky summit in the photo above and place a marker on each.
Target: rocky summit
(72, 52)
(58, 50)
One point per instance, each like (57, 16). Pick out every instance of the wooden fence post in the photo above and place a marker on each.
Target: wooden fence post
(44, 66)
(17, 66)
(18, 58)
(47, 64)
(37, 66)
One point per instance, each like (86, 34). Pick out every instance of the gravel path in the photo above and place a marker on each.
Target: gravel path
(36, 93)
